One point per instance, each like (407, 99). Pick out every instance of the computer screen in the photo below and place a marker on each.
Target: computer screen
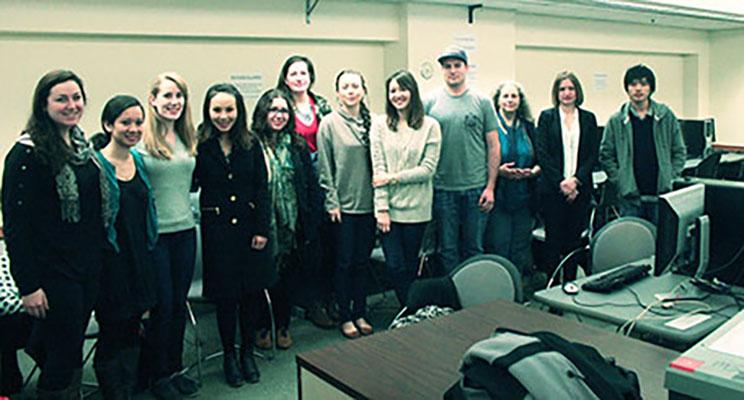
(724, 205)
(698, 135)
(676, 232)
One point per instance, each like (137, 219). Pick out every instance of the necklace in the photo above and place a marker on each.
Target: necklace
(305, 114)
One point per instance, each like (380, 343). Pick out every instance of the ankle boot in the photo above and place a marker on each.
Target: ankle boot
(248, 364)
(233, 376)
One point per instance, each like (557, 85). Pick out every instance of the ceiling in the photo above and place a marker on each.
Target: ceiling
(693, 15)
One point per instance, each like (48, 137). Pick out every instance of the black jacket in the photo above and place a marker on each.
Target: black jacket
(550, 150)
(235, 206)
(41, 246)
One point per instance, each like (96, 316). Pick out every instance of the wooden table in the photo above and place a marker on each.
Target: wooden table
(422, 361)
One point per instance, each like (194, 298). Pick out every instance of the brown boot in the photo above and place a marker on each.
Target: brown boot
(283, 339)
(263, 339)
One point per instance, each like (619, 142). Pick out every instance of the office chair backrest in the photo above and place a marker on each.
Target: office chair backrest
(621, 241)
(484, 278)
(708, 168)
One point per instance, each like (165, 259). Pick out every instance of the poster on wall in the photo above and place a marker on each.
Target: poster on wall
(469, 43)
(249, 85)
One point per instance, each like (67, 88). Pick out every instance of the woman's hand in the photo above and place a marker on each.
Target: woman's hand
(335, 215)
(508, 171)
(383, 221)
(259, 242)
(382, 180)
(36, 304)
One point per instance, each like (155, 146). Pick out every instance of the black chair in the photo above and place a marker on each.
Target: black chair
(708, 168)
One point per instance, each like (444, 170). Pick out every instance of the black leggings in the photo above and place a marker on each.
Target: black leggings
(233, 311)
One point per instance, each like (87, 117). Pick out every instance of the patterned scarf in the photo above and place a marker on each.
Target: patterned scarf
(283, 193)
(66, 181)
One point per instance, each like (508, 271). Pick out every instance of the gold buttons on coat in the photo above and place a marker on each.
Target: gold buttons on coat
(234, 221)
(233, 198)
(230, 176)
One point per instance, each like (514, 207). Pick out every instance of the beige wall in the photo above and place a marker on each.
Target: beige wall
(601, 75)
(119, 47)
(727, 85)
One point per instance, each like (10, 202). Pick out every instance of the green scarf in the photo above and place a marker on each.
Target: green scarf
(283, 194)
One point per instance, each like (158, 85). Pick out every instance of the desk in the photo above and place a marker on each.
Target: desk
(621, 306)
(422, 361)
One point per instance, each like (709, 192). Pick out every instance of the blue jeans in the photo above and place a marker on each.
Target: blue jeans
(460, 225)
(355, 238)
(401, 247)
(646, 208)
(509, 234)
(174, 260)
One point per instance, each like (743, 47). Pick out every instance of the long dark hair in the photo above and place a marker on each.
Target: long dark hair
(49, 145)
(363, 110)
(406, 81)
(280, 84)
(261, 128)
(239, 134)
(111, 111)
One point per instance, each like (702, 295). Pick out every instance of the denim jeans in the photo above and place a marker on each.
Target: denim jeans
(509, 234)
(174, 260)
(646, 207)
(355, 238)
(401, 248)
(460, 225)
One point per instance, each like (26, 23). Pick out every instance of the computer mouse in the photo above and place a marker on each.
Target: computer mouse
(570, 288)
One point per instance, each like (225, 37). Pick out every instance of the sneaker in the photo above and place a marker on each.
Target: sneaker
(163, 389)
(283, 339)
(263, 339)
(319, 317)
(185, 385)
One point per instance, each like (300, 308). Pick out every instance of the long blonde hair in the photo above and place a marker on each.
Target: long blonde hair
(154, 135)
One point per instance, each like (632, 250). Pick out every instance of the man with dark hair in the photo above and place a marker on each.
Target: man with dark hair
(642, 148)
(468, 164)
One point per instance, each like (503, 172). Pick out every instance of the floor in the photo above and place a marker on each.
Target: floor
(278, 376)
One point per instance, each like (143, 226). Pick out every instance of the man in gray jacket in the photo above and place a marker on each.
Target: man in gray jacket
(642, 148)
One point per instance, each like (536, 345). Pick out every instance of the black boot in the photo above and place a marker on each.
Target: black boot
(248, 364)
(233, 376)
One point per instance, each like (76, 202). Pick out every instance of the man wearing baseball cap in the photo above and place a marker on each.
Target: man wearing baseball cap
(469, 160)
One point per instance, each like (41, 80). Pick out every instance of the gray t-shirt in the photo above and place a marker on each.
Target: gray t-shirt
(465, 120)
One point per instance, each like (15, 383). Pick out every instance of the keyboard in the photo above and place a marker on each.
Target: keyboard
(618, 278)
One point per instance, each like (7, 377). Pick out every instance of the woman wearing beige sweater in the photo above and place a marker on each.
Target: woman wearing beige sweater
(405, 152)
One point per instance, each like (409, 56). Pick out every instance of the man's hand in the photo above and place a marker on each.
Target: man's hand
(486, 200)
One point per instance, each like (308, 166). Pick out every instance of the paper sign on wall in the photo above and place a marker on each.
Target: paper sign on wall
(249, 85)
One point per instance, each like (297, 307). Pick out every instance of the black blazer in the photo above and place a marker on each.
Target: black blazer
(550, 150)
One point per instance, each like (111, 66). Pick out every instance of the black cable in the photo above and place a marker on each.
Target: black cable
(728, 263)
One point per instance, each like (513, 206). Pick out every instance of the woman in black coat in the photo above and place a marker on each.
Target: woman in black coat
(295, 206)
(568, 154)
(54, 214)
(234, 202)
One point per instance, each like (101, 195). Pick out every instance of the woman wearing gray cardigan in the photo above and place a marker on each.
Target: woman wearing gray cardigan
(405, 153)
(345, 173)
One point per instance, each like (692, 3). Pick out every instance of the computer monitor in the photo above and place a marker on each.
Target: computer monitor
(724, 205)
(682, 232)
(699, 134)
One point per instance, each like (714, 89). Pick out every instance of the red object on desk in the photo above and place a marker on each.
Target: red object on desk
(686, 364)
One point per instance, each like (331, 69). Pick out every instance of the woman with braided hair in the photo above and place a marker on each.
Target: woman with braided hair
(345, 170)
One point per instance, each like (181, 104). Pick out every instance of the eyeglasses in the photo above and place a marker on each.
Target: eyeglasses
(277, 110)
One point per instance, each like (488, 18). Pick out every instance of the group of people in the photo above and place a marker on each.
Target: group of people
(293, 200)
